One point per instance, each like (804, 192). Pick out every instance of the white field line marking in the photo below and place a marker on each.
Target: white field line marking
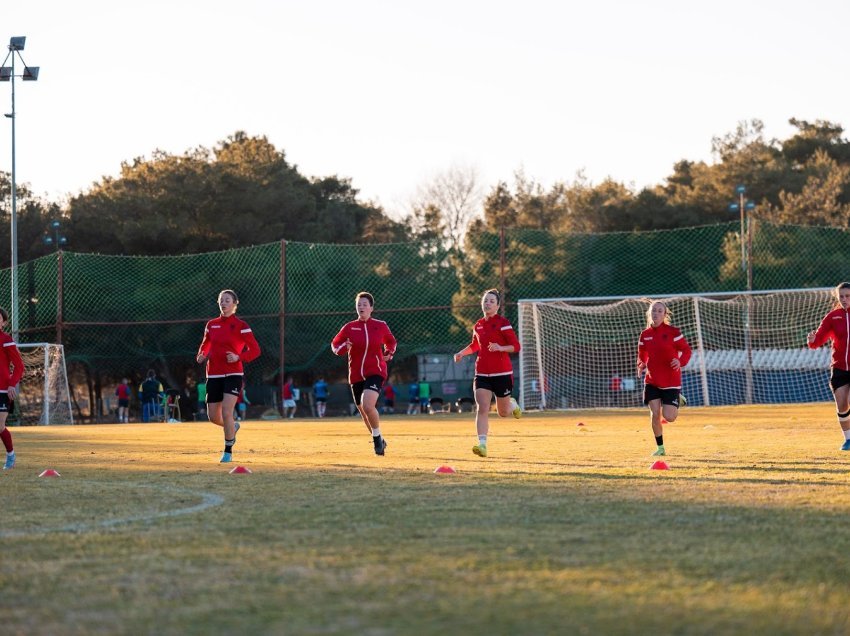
(208, 500)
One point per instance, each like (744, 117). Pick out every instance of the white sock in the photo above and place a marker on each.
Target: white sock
(376, 432)
(482, 440)
(846, 434)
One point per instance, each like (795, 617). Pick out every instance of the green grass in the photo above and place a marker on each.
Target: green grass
(562, 530)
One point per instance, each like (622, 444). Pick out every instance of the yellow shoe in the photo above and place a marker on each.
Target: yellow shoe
(480, 450)
(517, 412)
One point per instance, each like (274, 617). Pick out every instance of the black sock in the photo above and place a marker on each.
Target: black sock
(228, 445)
(659, 439)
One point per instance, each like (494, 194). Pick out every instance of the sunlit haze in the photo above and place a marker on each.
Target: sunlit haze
(391, 93)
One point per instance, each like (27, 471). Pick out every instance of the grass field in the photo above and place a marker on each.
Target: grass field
(562, 530)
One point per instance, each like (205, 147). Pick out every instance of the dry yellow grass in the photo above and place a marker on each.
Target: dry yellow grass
(563, 529)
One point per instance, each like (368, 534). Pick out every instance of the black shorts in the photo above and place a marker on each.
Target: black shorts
(667, 396)
(500, 385)
(321, 399)
(839, 378)
(5, 402)
(123, 403)
(217, 387)
(372, 383)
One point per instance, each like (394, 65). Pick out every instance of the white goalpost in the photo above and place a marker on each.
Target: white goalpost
(748, 348)
(43, 396)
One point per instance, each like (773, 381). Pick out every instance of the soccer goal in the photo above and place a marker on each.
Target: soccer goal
(748, 348)
(43, 396)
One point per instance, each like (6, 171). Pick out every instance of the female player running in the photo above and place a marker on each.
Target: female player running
(493, 338)
(662, 352)
(369, 345)
(228, 343)
(835, 326)
(11, 372)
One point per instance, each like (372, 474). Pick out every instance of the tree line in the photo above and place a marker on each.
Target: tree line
(243, 191)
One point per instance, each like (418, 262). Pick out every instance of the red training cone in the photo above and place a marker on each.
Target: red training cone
(445, 470)
(580, 424)
(659, 465)
(241, 470)
(50, 473)
(663, 421)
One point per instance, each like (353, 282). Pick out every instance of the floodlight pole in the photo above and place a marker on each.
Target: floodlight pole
(7, 73)
(13, 309)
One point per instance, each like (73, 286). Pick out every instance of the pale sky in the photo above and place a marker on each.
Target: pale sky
(390, 93)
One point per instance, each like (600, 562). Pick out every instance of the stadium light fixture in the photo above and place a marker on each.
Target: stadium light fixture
(743, 207)
(57, 239)
(7, 74)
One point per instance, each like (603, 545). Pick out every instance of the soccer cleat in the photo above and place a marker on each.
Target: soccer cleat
(10, 461)
(380, 445)
(683, 401)
(660, 452)
(844, 446)
(517, 412)
(480, 450)
(226, 458)
(235, 430)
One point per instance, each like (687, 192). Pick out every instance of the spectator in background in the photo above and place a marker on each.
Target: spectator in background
(413, 398)
(320, 394)
(242, 403)
(424, 396)
(122, 392)
(389, 397)
(288, 396)
(150, 392)
(615, 385)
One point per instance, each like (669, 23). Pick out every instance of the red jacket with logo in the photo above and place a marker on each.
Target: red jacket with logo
(10, 357)
(228, 334)
(835, 326)
(370, 341)
(657, 346)
(496, 329)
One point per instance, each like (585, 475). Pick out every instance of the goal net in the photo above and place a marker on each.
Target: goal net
(748, 348)
(43, 396)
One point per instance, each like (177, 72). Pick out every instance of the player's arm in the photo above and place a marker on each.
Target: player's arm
(511, 341)
(683, 348)
(17, 364)
(390, 345)
(642, 356)
(819, 336)
(341, 343)
(251, 349)
(206, 345)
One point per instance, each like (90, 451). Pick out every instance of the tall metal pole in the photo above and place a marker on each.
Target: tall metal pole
(14, 232)
(743, 229)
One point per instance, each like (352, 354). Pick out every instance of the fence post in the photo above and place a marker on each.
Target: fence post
(60, 293)
(502, 281)
(282, 321)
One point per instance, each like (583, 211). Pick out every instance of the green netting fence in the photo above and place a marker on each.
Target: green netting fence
(120, 315)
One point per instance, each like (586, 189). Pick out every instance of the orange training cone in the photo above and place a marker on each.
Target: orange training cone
(445, 470)
(241, 470)
(50, 473)
(580, 424)
(659, 465)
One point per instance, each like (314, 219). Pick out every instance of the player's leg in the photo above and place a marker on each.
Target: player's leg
(5, 434)
(369, 410)
(483, 397)
(842, 407)
(655, 420)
